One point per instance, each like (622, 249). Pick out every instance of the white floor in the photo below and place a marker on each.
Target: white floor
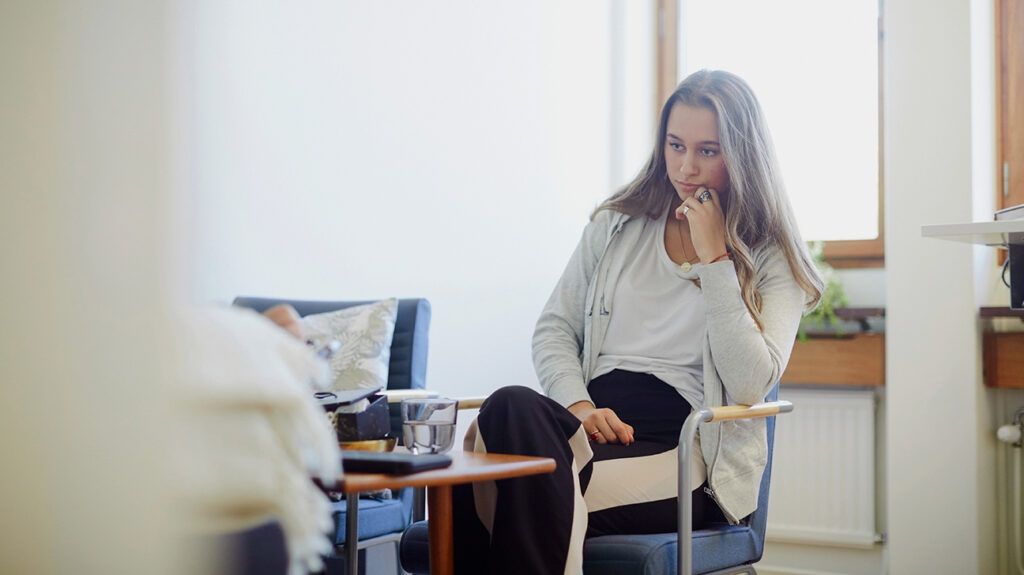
(790, 559)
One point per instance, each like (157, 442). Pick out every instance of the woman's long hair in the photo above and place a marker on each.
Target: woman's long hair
(757, 210)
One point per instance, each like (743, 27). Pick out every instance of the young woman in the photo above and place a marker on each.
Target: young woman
(685, 291)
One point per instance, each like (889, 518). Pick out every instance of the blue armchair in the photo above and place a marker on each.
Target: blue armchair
(379, 521)
(719, 549)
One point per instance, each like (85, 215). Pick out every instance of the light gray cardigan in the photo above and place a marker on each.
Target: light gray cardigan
(741, 362)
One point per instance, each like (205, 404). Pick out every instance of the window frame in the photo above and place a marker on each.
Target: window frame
(1009, 37)
(838, 253)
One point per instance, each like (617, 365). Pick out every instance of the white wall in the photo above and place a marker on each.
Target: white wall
(634, 118)
(939, 457)
(448, 150)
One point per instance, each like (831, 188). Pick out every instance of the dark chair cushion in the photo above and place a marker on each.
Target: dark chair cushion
(713, 549)
(414, 551)
(257, 551)
(376, 517)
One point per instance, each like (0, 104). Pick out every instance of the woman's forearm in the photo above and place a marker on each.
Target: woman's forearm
(751, 360)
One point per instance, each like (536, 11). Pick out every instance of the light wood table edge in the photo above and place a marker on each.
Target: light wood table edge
(521, 465)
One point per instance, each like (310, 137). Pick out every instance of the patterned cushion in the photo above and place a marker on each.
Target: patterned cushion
(365, 333)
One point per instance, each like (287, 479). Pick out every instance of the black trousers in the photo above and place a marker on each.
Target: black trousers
(537, 524)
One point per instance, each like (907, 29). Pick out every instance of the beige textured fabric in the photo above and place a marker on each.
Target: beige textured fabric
(252, 435)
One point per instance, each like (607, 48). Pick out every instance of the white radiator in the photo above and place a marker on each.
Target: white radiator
(823, 477)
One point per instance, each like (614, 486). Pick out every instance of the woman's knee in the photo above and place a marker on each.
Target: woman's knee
(511, 396)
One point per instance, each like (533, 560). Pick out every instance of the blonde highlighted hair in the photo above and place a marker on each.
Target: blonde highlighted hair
(757, 210)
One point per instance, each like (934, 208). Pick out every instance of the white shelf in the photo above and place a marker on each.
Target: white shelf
(986, 233)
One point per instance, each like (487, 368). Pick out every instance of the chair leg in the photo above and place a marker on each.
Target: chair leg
(352, 534)
(419, 504)
(398, 558)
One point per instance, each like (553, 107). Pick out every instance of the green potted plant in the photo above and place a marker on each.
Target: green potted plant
(823, 319)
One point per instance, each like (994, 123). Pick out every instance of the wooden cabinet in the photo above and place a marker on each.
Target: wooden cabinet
(851, 360)
(854, 359)
(1004, 359)
(1003, 351)
(858, 359)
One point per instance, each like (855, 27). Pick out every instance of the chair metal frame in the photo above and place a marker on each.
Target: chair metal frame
(684, 555)
(353, 544)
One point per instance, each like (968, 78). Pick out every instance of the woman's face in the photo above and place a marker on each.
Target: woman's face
(693, 156)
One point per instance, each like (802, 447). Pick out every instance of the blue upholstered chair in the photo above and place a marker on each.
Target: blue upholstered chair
(379, 521)
(718, 550)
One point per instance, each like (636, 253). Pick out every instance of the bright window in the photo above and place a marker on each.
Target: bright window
(814, 66)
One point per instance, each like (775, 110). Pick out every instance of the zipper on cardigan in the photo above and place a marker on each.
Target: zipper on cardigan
(615, 231)
(600, 262)
(714, 497)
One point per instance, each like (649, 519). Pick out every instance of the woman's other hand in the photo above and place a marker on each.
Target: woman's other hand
(707, 224)
(602, 424)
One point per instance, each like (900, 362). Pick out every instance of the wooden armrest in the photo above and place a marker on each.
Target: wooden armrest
(397, 395)
(729, 412)
(471, 402)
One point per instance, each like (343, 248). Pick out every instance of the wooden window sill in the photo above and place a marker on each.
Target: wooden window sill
(858, 358)
(854, 359)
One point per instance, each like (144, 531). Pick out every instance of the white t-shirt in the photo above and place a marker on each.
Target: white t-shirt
(657, 323)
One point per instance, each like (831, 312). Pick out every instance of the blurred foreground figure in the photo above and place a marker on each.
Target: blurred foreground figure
(254, 439)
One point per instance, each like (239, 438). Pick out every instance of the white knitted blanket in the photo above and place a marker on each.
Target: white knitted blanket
(254, 436)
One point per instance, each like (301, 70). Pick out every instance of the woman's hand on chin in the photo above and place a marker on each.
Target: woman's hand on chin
(602, 425)
(707, 224)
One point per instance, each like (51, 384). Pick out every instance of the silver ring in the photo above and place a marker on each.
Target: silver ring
(704, 196)
(685, 209)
